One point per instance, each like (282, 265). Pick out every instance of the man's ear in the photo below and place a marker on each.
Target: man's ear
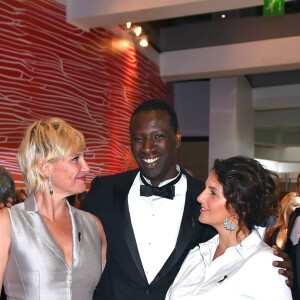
(178, 138)
(44, 167)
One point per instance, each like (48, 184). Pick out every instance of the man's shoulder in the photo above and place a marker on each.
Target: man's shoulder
(116, 177)
(194, 183)
(106, 188)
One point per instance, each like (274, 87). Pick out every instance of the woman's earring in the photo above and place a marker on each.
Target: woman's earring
(50, 184)
(228, 226)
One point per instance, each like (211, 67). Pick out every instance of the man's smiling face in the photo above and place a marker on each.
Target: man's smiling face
(154, 144)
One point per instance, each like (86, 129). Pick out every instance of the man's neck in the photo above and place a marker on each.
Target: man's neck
(156, 183)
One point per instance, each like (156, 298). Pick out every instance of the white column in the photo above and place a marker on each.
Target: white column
(231, 119)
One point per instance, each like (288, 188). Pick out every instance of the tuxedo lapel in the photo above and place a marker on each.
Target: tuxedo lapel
(121, 191)
(186, 232)
(187, 228)
(36, 223)
(130, 240)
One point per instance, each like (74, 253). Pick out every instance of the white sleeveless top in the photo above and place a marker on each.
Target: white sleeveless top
(36, 268)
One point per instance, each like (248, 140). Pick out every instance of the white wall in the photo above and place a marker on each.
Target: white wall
(192, 107)
(192, 100)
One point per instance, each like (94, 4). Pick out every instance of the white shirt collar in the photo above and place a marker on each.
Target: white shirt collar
(165, 181)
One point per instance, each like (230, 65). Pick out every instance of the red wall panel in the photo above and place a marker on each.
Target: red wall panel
(51, 68)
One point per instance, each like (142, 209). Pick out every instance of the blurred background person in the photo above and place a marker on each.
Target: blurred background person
(50, 250)
(7, 197)
(277, 235)
(298, 184)
(71, 199)
(239, 195)
(7, 188)
(77, 200)
(21, 195)
(80, 199)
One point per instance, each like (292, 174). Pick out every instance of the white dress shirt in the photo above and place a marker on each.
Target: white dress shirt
(156, 222)
(244, 271)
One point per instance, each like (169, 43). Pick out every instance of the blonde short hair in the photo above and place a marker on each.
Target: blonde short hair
(46, 140)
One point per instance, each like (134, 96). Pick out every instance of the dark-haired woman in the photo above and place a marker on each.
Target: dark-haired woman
(236, 264)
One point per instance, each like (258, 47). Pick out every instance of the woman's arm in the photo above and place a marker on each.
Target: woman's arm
(5, 240)
(103, 241)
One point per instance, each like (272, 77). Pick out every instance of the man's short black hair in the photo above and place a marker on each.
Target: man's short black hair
(158, 104)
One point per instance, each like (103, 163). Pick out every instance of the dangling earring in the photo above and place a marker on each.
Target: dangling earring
(228, 226)
(50, 184)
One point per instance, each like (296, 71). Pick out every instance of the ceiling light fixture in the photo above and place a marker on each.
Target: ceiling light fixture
(136, 31)
(144, 41)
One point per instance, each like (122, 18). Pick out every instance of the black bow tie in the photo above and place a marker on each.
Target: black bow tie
(166, 191)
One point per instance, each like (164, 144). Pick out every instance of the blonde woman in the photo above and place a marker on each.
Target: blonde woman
(277, 234)
(50, 250)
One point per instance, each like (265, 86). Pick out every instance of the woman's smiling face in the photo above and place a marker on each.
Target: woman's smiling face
(213, 209)
(69, 175)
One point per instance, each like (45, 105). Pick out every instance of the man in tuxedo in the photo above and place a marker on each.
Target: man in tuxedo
(293, 249)
(150, 215)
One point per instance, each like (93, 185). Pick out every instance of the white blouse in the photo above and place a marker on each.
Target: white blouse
(244, 271)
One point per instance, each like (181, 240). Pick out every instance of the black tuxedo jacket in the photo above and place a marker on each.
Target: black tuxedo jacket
(123, 277)
(294, 254)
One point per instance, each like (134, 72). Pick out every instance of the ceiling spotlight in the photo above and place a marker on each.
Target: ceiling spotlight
(137, 30)
(223, 16)
(144, 41)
